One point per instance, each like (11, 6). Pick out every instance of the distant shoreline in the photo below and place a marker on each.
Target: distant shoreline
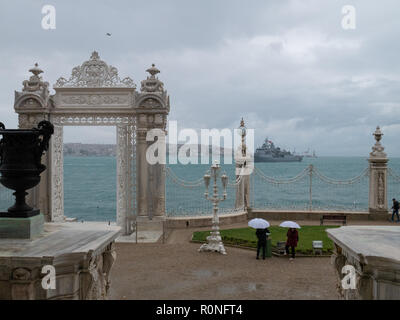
(110, 150)
(114, 156)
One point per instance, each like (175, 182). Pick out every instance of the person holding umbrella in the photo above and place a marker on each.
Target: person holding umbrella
(262, 233)
(292, 237)
(262, 236)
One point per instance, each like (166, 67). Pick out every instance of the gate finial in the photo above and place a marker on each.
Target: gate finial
(35, 83)
(152, 83)
(377, 149)
(153, 71)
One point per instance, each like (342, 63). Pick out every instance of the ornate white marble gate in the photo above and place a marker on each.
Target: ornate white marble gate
(94, 95)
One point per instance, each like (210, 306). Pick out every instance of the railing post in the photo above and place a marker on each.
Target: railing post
(377, 202)
(310, 173)
(243, 166)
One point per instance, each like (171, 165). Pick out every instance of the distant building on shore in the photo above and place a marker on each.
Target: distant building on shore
(90, 150)
(110, 150)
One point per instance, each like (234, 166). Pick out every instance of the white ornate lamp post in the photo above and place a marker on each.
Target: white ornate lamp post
(214, 241)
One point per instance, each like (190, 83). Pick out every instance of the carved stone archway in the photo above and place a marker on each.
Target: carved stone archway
(95, 95)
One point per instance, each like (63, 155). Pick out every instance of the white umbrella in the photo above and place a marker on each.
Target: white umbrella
(289, 224)
(258, 223)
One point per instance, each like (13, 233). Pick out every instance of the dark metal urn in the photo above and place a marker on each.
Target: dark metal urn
(21, 152)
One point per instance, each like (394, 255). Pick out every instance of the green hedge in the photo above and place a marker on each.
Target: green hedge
(247, 237)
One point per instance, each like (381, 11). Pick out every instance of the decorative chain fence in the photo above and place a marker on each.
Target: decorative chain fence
(393, 186)
(186, 198)
(309, 190)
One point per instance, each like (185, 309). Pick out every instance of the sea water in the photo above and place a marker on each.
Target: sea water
(90, 186)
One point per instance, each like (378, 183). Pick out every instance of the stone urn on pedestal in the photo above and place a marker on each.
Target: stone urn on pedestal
(21, 151)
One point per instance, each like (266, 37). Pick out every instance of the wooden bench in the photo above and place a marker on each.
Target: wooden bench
(334, 218)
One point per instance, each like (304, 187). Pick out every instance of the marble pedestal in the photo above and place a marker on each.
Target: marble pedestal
(21, 228)
(82, 255)
(374, 253)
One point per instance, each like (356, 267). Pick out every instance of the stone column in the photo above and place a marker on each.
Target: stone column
(246, 191)
(122, 177)
(141, 171)
(32, 104)
(150, 177)
(56, 175)
(152, 110)
(242, 161)
(239, 199)
(131, 180)
(243, 188)
(377, 202)
(157, 179)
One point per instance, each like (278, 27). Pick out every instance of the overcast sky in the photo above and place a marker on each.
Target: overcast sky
(288, 67)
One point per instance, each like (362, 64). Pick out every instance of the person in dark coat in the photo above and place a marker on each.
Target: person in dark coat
(292, 239)
(395, 208)
(262, 241)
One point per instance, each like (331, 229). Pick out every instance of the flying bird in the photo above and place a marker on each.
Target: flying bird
(108, 34)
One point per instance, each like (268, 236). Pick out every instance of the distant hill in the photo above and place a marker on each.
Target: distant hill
(110, 150)
(90, 150)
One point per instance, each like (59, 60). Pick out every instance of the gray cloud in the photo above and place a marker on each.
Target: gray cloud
(286, 66)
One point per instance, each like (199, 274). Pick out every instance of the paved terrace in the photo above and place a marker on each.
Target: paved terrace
(176, 270)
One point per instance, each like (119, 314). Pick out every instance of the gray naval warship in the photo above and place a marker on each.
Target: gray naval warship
(269, 153)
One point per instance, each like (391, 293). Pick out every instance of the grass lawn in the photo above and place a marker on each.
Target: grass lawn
(247, 237)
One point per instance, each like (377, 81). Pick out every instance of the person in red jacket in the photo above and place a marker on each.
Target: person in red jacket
(292, 239)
